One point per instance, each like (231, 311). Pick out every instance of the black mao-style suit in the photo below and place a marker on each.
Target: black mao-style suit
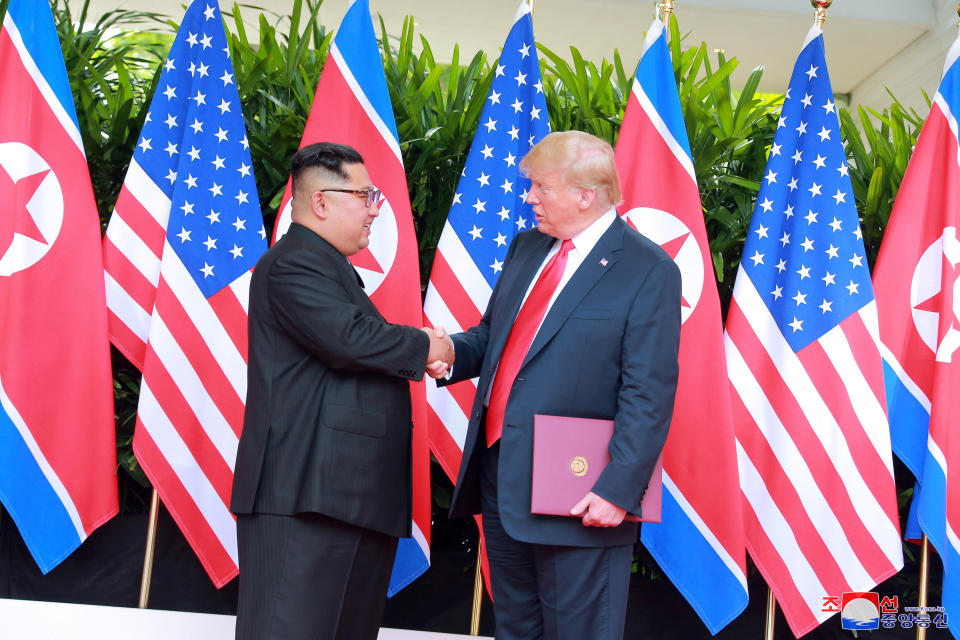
(607, 349)
(327, 428)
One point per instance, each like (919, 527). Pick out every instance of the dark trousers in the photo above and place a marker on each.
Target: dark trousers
(547, 591)
(310, 576)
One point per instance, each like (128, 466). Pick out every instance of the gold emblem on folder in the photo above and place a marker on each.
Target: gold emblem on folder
(578, 466)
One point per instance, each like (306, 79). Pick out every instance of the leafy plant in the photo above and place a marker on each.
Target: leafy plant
(878, 158)
(437, 108)
(583, 96)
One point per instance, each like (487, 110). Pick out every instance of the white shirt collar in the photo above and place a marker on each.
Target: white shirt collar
(584, 241)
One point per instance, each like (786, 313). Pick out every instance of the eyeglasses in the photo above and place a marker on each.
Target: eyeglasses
(369, 196)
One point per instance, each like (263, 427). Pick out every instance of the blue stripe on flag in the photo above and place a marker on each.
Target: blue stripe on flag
(408, 565)
(693, 566)
(358, 44)
(35, 507)
(932, 516)
(913, 531)
(661, 89)
(950, 88)
(909, 422)
(933, 501)
(34, 21)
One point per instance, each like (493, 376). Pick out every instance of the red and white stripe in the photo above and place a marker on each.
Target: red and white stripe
(456, 297)
(132, 249)
(192, 352)
(813, 448)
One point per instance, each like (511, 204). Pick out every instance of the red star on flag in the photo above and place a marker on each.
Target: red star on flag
(942, 302)
(366, 260)
(19, 220)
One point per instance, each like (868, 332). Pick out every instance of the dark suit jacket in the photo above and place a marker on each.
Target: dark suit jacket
(607, 349)
(327, 425)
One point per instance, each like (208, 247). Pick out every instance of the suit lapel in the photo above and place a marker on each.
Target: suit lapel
(605, 253)
(513, 291)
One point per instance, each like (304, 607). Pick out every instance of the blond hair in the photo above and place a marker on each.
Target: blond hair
(586, 160)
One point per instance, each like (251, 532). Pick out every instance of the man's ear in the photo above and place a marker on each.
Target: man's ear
(318, 204)
(586, 198)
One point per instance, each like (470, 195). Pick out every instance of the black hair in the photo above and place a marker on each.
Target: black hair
(328, 156)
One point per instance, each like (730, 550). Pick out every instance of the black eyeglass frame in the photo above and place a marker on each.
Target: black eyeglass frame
(371, 196)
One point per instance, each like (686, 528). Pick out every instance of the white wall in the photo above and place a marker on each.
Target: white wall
(918, 67)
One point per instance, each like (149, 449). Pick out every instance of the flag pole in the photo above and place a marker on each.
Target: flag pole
(821, 6)
(771, 615)
(532, 4)
(666, 8)
(477, 594)
(924, 572)
(148, 552)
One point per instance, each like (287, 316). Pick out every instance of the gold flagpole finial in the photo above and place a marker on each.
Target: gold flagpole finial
(821, 6)
(666, 8)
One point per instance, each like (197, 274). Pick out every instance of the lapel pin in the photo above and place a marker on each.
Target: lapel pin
(603, 262)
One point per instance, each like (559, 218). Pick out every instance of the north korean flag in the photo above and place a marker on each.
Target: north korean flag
(57, 442)
(917, 286)
(352, 106)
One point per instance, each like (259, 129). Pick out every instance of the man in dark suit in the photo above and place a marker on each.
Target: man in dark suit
(584, 321)
(322, 486)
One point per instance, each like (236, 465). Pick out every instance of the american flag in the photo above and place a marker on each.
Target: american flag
(699, 541)
(813, 446)
(489, 208)
(178, 253)
(916, 281)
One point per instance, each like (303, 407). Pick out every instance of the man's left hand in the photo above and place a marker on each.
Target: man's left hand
(597, 512)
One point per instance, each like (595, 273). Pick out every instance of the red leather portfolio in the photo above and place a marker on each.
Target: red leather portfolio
(568, 456)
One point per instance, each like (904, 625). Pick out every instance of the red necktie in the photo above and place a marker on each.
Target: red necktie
(521, 337)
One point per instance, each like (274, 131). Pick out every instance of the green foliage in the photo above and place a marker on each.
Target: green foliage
(730, 134)
(878, 157)
(583, 96)
(437, 108)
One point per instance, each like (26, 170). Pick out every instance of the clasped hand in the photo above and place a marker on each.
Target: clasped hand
(440, 357)
(597, 512)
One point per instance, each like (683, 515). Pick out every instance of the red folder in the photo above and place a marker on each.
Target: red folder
(568, 456)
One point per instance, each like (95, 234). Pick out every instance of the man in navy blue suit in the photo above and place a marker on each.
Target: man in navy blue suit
(584, 321)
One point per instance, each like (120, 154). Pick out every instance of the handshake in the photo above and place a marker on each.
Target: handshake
(440, 357)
